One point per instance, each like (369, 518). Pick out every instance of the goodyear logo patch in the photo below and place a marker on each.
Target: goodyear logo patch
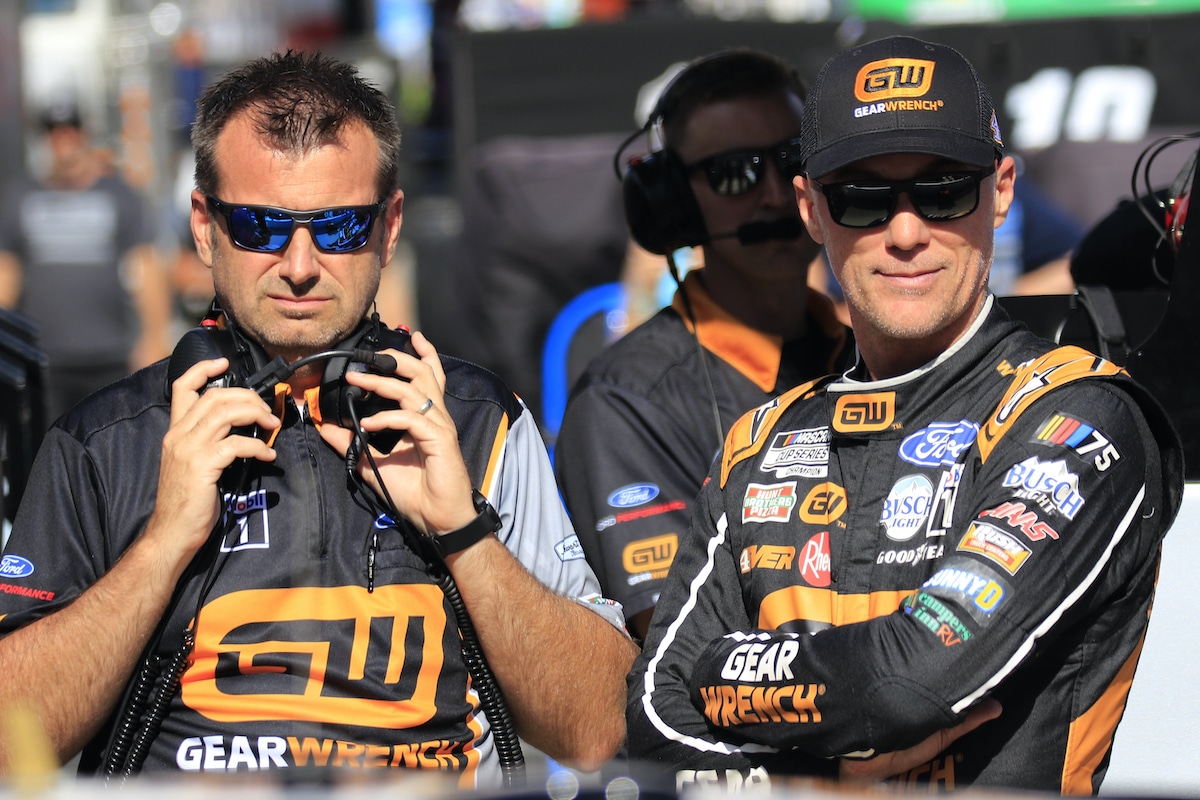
(768, 502)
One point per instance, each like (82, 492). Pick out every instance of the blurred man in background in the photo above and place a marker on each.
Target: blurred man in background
(645, 421)
(77, 257)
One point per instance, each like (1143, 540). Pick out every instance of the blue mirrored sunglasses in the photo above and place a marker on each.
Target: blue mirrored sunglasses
(265, 229)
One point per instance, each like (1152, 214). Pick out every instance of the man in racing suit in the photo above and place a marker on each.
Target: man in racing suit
(646, 419)
(308, 588)
(969, 516)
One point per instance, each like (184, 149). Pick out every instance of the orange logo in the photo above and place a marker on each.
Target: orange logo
(650, 555)
(893, 77)
(303, 622)
(825, 503)
(863, 413)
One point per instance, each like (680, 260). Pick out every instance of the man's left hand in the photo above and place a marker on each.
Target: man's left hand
(425, 474)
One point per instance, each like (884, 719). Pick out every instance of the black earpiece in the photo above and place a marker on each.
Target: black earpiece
(660, 208)
(247, 362)
(337, 398)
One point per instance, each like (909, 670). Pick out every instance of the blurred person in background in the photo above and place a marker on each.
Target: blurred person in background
(77, 256)
(647, 418)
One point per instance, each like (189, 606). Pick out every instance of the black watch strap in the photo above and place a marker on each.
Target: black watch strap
(487, 521)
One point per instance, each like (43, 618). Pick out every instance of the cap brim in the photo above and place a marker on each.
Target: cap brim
(935, 142)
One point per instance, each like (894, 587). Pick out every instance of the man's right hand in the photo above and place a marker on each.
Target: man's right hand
(885, 765)
(196, 450)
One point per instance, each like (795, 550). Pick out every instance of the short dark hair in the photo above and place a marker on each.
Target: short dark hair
(724, 75)
(300, 101)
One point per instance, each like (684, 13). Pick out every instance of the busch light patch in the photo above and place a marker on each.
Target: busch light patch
(907, 507)
(939, 444)
(1048, 483)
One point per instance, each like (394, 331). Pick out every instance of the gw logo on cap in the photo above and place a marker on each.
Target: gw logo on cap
(893, 77)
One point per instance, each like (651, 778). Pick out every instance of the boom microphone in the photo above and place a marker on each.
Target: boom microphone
(784, 228)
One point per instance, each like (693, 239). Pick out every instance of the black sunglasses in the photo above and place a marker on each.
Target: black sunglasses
(869, 203)
(736, 172)
(265, 229)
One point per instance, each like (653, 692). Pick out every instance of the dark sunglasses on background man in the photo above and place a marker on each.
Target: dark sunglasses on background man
(265, 229)
(736, 172)
(869, 203)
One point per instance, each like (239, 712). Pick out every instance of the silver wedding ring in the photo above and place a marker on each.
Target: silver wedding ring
(425, 408)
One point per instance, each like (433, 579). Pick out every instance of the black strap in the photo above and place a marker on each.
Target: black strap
(1097, 300)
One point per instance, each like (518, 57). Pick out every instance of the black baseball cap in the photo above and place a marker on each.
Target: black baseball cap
(61, 114)
(898, 95)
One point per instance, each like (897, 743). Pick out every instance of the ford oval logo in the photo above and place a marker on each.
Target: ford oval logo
(940, 444)
(15, 567)
(635, 494)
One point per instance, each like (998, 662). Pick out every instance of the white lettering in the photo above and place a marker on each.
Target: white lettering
(189, 753)
(214, 752)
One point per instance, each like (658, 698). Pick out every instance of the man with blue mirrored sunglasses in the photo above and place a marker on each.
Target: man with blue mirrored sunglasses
(963, 528)
(215, 526)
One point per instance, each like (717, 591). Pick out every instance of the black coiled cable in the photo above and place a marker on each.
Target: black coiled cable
(508, 744)
(162, 702)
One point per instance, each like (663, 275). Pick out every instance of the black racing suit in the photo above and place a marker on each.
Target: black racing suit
(871, 559)
(639, 432)
(297, 662)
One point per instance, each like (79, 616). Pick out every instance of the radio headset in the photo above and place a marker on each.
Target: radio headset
(338, 401)
(660, 207)
(1174, 206)
(149, 694)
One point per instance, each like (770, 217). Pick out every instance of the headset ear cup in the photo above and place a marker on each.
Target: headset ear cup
(660, 209)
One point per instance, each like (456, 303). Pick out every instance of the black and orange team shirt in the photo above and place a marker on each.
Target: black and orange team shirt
(298, 661)
(640, 431)
(870, 559)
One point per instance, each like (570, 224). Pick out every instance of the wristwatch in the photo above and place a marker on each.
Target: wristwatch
(486, 521)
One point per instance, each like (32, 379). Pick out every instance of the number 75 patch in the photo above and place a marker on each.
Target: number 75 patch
(1064, 430)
